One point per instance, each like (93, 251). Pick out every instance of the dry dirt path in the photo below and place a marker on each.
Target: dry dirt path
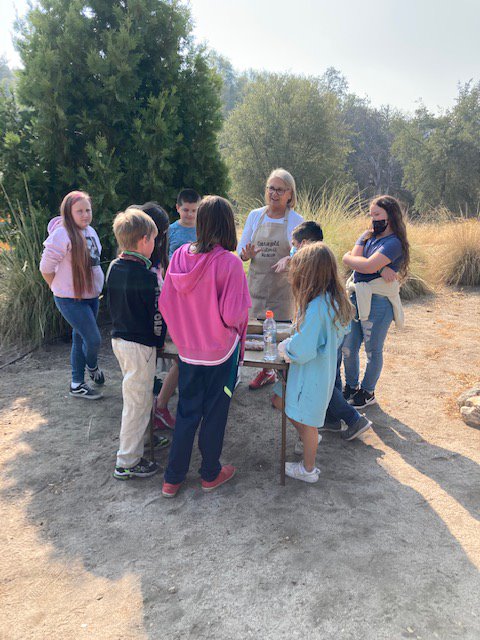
(385, 546)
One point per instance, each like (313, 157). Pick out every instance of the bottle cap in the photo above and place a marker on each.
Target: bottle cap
(269, 314)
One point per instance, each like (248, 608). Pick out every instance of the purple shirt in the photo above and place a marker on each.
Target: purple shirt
(390, 246)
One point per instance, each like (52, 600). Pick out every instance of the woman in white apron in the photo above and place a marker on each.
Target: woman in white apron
(265, 241)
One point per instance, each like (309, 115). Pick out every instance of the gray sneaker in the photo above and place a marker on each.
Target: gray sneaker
(85, 392)
(360, 426)
(334, 427)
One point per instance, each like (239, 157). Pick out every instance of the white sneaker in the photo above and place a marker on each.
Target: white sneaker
(299, 446)
(297, 470)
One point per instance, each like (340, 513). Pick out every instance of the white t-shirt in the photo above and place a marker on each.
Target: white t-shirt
(251, 225)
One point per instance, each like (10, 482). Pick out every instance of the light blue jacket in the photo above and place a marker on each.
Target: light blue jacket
(313, 352)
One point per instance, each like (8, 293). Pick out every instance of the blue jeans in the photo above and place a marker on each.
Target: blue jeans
(338, 408)
(373, 333)
(81, 315)
(203, 397)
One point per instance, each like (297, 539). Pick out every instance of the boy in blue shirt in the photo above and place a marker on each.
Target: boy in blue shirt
(184, 231)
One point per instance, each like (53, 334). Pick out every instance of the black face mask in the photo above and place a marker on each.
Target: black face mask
(379, 226)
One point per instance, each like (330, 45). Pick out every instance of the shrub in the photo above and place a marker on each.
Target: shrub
(28, 314)
(459, 259)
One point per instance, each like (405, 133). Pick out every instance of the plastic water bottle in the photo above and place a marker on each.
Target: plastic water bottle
(269, 337)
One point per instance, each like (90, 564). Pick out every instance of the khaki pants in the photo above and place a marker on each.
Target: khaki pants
(137, 363)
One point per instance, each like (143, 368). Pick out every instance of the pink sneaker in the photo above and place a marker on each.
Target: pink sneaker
(163, 419)
(266, 376)
(226, 473)
(170, 490)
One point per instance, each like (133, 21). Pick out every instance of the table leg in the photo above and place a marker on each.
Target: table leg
(283, 375)
(150, 430)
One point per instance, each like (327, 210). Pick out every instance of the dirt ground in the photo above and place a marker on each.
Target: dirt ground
(386, 545)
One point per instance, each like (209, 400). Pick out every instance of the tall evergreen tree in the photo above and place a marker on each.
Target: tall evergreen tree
(121, 102)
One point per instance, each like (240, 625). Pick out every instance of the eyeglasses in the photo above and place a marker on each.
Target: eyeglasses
(279, 192)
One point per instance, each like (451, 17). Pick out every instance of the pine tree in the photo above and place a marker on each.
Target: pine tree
(121, 102)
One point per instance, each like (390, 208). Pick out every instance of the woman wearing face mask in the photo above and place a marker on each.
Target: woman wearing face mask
(266, 241)
(381, 252)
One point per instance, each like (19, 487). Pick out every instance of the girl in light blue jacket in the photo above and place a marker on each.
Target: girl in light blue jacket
(322, 318)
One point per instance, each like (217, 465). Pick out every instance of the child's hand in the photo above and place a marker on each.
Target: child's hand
(282, 349)
(281, 265)
(249, 251)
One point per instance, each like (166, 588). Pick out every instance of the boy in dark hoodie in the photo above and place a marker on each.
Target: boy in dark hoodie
(137, 330)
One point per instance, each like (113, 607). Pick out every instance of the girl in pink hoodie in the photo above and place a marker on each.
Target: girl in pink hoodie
(205, 303)
(70, 265)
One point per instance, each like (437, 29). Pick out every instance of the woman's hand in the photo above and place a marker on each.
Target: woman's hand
(389, 275)
(373, 264)
(249, 252)
(281, 265)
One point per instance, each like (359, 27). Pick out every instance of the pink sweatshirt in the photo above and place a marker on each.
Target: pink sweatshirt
(205, 303)
(57, 259)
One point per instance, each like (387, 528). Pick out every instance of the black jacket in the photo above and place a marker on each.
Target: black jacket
(132, 299)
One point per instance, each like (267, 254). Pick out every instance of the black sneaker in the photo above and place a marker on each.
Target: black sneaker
(96, 375)
(362, 399)
(360, 426)
(334, 427)
(144, 469)
(85, 392)
(349, 392)
(160, 442)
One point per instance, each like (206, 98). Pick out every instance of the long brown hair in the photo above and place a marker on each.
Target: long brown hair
(81, 262)
(396, 220)
(215, 225)
(313, 271)
(158, 214)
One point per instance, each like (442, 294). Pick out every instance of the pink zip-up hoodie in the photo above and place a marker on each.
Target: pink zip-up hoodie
(57, 259)
(205, 302)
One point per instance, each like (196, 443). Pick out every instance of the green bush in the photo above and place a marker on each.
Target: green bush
(28, 315)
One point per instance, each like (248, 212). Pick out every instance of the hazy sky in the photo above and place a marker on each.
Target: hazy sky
(394, 51)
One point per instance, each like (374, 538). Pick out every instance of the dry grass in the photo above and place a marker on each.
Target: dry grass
(460, 254)
(451, 250)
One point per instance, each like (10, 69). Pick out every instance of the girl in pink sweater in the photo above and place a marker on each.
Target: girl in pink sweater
(70, 265)
(205, 303)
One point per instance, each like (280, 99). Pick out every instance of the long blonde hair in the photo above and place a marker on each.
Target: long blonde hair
(313, 271)
(81, 262)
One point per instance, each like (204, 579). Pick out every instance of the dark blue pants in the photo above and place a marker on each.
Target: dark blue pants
(203, 397)
(81, 315)
(338, 408)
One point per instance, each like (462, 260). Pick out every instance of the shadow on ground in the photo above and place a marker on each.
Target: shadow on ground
(360, 555)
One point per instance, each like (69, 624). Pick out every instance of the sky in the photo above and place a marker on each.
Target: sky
(396, 52)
